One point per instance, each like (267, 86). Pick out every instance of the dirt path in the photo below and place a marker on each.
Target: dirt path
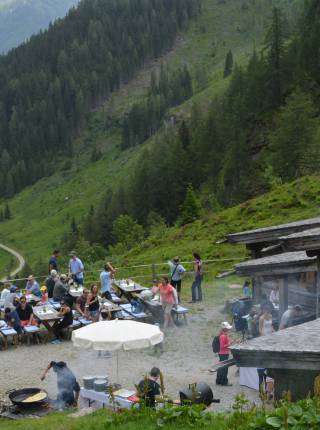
(18, 256)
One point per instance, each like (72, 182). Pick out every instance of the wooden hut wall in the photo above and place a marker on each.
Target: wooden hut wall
(301, 289)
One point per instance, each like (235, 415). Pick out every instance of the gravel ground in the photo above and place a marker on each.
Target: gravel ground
(186, 356)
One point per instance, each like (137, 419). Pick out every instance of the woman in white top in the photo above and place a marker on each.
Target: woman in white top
(265, 322)
(274, 296)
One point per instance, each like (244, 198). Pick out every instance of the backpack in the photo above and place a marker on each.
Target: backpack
(216, 344)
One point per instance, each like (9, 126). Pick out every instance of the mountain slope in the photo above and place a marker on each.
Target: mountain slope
(20, 19)
(42, 212)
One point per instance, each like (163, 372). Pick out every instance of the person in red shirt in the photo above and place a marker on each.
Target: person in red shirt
(225, 342)
(169, 298)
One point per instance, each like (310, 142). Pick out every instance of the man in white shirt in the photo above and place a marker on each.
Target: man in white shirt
(5, 292)
(177, 271)
(105, 280)
(76, 268)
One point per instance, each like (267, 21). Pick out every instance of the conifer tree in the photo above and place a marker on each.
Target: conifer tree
(191, 207)
(7, 212)
(228, 65)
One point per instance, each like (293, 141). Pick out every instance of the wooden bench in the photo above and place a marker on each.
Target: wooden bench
(31, 331)
(6, 332)
(180, 310)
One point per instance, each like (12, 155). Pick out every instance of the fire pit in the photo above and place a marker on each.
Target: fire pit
(26, 403)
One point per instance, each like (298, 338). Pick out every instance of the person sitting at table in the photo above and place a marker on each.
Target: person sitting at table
(44, 295)
(25, 313)
(81, 303)
(32, 287)
(12, 319)
(11, 299)
(169, 298)
(93, 304)
(61, 288)
(105, 281)
(148, 388)
(105, 315)
(66, 316)
(68, 387)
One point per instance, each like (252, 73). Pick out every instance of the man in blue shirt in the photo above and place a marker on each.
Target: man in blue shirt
(177, 271)
(105, 280)
(13, 320)
(76, 268)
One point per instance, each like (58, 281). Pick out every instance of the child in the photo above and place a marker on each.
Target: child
(44, 295)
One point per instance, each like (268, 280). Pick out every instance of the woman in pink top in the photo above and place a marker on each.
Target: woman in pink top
(168, 297)
(225, 342)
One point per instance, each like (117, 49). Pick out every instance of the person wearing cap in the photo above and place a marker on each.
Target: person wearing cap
(224, 351)
(50, 282)
(177, 271)
(53, 262)
(76, 268)
(66, 316)
(12, 319)
(61, 288)
(68, 387)
(287, 319)
(32, 286)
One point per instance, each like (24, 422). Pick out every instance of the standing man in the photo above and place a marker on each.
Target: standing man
(51, 281)
(177, 271)
(68, 387)
(105, 280)
(76, 268)
(53, 262)
(224, 351)
(196, 285)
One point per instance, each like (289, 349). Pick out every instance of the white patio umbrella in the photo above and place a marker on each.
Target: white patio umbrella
(117, 335)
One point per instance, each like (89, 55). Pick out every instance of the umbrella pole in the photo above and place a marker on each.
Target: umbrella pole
(117, 367)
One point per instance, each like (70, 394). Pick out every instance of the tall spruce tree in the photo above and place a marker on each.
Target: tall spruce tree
(228, 65)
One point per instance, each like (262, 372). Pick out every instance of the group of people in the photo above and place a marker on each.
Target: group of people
(177, 272)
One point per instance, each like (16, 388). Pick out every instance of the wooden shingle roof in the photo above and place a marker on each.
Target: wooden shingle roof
(296, 347)
(273, 233)
(280, 264)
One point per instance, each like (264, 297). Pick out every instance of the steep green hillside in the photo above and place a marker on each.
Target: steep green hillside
(42, 212)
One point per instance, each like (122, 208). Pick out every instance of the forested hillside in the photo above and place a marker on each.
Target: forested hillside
(138, 153)
(48, 85)
(20, 19)
(264, 130)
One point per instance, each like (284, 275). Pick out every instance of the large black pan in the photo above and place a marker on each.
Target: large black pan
(17, 397)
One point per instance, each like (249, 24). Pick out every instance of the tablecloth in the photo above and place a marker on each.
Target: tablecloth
(102, 399)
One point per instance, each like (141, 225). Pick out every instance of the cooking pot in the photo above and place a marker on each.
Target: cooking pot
(17, 397)
(199, 393)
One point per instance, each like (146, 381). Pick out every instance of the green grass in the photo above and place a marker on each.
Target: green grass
(290, 202)
(42, 212)
(7, 263)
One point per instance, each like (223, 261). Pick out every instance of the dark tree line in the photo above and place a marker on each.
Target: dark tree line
(49, 84)
(145, 118)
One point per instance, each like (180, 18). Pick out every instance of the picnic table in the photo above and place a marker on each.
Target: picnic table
(108, 305)
(31, 298)
(75, 291)
(128, 288)
(47, 315)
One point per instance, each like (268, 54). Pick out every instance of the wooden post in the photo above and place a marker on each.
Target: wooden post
(283, 295)
(153, 268)
(318, 286)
